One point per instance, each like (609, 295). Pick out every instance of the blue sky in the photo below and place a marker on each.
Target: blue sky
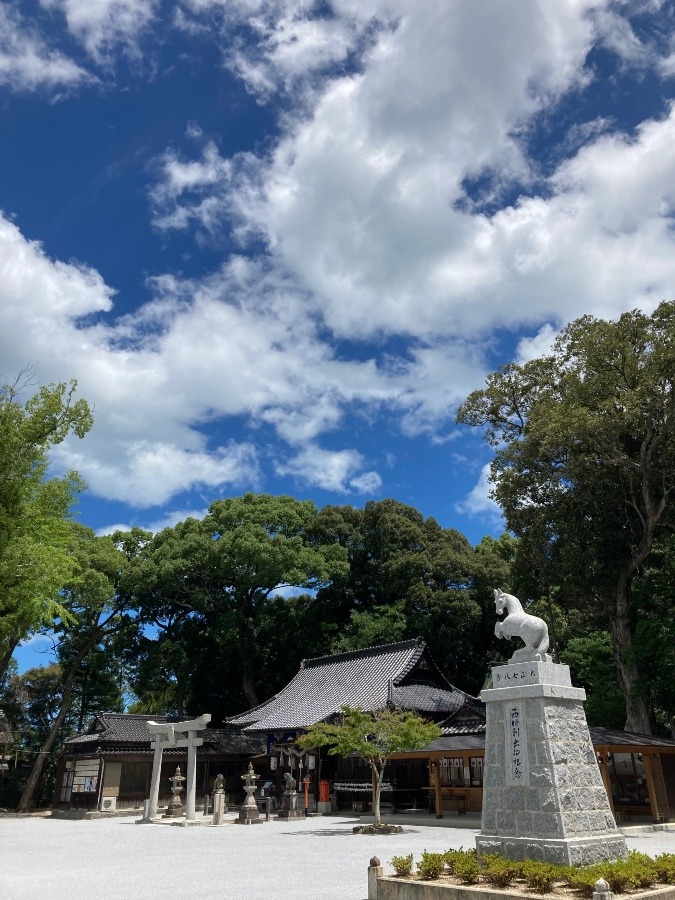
(277, 241)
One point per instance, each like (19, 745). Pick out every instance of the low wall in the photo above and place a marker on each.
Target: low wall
(389, 888)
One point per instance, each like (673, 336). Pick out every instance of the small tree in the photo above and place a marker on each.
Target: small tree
(374, 736)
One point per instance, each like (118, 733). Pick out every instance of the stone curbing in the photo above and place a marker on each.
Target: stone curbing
(392, 888)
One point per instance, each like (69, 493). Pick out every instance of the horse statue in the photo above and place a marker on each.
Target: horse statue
(518, 623)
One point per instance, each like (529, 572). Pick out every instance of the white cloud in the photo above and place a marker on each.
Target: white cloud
(27, 63)
(356, 199)
(541, 344)
(370, 234)
(238, 344)
(617, 35)
(102, 26)
(478, 501)
(332, 470)
(156, 525)
(148, 473)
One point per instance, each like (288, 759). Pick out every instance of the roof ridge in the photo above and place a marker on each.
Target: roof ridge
(110, 715)
(376, 650)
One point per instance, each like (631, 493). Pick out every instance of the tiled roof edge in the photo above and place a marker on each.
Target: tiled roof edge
(378, 650)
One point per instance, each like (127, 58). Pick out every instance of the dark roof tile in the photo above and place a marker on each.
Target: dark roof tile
(371, 679)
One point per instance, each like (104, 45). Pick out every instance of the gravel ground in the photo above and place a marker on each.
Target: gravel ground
(115, 859)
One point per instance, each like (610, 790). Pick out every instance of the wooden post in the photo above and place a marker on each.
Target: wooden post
(651, 787)
(602, 762)
(438, 799)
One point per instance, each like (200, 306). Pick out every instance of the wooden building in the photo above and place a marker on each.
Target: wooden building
(398, 676)
(109, 766)
(638, 770)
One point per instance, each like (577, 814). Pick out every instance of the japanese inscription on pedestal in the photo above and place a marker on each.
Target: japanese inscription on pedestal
(517, 768)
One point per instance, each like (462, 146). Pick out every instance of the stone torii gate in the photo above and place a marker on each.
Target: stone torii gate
(176, 734)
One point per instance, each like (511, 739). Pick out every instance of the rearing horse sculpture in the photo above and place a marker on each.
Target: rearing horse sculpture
(518, 623)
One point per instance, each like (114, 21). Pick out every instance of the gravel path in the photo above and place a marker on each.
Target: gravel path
(115, 859)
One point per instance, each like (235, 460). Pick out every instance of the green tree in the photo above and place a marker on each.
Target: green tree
(410, 577)
(584, 468)
(35, 558)
(96, 611)
(654, 628)
(374, 736)
(220, 575)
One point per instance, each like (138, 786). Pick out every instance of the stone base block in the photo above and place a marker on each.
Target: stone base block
(290, 814)
(249, 817)
(585, 851)
(323, 807)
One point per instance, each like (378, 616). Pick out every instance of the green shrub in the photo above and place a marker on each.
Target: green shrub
(451, 857)
(431, 865)
(583, 880)
(641, 870)
(403, 865)
(467, 868)
(617, 875)
(540, 876)
(498, 870)
(664, 866)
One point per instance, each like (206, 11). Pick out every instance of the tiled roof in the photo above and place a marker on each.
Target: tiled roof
(117, 728)
(475, 740)
(477, 728)
(423, 698)
(467, 719)
(118, 733)
(601, 736)
(371, 679)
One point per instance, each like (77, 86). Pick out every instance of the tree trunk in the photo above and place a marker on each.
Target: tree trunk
(247, 685)
(639, 713)
(379, 778)
(26, 800)
(6, 657)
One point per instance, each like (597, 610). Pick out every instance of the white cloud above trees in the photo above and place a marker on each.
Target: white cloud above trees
(400, 211)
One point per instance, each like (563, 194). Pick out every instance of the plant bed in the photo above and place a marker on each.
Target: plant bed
(460, 875)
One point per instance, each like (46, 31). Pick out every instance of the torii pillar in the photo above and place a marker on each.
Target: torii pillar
(176, 734)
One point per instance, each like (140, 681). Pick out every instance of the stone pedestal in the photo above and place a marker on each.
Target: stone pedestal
(219, 807)
(289, 806)
(543, 795)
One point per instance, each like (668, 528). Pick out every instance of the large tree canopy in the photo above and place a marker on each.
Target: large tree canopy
(410, 577)
(585, 467)
(35, 534)
(218, 577)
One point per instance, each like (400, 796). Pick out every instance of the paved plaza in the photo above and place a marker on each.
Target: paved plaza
(314, 859)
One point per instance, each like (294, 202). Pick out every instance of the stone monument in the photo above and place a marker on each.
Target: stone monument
(289, 801)
(543, 795)
(249, 814)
